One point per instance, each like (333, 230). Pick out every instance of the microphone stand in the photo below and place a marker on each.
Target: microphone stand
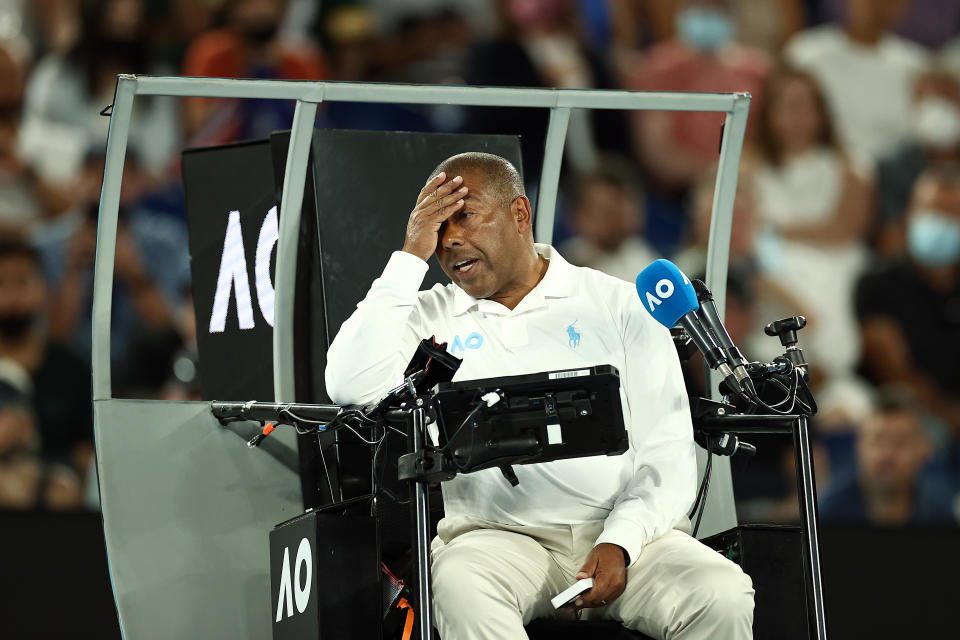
(719, 419)
(716, 418)
(418, 468)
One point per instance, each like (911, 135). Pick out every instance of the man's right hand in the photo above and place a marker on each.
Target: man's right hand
(438, 200)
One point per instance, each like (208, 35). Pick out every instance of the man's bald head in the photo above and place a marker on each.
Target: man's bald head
(499, 175)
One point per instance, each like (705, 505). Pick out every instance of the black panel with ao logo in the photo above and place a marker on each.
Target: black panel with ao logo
(232, 222)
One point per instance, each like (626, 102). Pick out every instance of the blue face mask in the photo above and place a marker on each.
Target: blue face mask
(933, 238)
(704, 28)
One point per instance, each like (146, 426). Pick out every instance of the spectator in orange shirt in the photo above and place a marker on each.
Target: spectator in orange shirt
(247, 46)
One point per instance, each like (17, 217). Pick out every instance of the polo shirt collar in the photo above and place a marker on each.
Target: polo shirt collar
(560, 281)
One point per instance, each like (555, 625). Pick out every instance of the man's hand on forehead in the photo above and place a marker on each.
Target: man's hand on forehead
(439, 199)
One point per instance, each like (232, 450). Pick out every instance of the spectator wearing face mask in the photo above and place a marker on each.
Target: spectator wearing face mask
(935, 123)
(762, 24)
(678, 146)
(888, 486)
(909, 308)
(867, 74)
(59, 379)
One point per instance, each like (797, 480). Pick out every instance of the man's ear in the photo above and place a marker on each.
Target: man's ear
(522, 214)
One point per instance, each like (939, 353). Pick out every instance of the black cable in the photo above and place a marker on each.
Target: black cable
(706, 487)
(343, 419)
(466, 465)
(810, 407)
(326, 469)
(470, 415)
(783, 388)
(791, 395)
(473, 434)
(700, 489)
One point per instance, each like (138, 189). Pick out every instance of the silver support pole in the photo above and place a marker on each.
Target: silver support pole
(421, 523)
(291, 204)
(720, 513)
(809, 521)
(724, 195)
(550, 176)
(435, 94)
(107, 234)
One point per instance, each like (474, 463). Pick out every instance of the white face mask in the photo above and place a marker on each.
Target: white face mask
(936, 122)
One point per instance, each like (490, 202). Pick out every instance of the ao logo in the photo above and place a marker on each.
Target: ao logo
(234, 276)
(664, 289)
(288, 592)
(473, 341)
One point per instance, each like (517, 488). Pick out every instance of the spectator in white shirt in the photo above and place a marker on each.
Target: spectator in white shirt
(867, 75)
(503, 552)
(814, 208)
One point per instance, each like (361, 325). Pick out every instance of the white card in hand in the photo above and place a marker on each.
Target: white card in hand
(569, 594)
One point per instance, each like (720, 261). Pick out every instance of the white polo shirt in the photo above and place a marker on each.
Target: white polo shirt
(574, 317)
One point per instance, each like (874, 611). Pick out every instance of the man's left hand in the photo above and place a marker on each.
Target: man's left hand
(605, 564)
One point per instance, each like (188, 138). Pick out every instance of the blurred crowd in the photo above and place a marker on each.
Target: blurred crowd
(847, 209)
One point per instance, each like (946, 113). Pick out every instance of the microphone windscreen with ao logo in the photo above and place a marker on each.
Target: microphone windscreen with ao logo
(669, 297)
(666, 292)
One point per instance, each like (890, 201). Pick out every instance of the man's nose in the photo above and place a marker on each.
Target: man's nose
(451, 235)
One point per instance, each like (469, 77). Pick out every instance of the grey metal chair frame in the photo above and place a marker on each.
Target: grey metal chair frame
(720, 514)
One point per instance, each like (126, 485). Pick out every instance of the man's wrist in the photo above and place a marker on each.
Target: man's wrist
(412, 252)
(626, 554)
(404, 272)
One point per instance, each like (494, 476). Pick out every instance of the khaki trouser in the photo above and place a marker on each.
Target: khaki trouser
(489, 580)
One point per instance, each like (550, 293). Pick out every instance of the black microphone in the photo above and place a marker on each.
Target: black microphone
(724, 444)
(710, 317)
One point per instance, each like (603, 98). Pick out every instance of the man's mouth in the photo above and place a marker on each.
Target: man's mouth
(463, 267)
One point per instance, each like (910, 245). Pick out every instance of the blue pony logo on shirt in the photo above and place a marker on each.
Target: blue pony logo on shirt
(573, 334)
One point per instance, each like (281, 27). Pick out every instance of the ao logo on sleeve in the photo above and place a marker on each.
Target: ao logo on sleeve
(297, 590)
(663, 290)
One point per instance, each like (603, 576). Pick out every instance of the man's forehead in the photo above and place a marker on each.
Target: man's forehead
(479, 185)
(497, 182)
(474, 177)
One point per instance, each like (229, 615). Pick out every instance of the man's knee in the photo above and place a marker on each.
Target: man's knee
(707, 601)
(724, 593)
(462, 581)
